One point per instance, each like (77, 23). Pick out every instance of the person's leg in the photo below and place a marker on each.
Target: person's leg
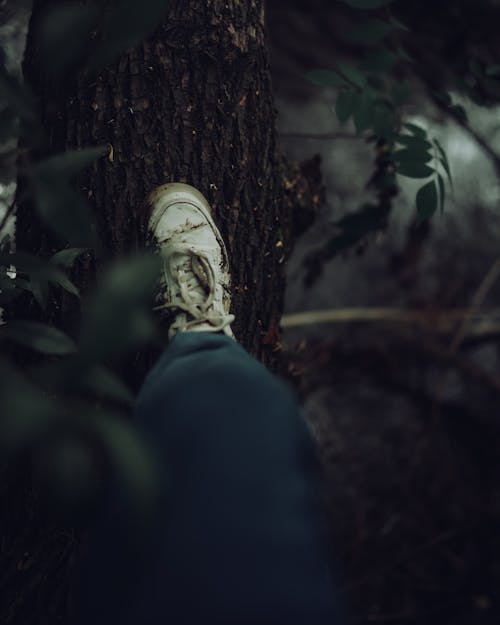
(241, 538)
(238, 539)
(244, 542)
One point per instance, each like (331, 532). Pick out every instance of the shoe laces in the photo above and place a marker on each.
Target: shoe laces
(194, 288)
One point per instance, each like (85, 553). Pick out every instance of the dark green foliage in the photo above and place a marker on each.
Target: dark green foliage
(38, 336)
(408, 155)
(67, 27)
(30, 273)
(379, 60)
(427, 200)
(400, 92)
(352, 74)
(118, 313)
(414, 143)
(325, 78)
(97, 32)
(440, 180)
(64, 211)
(123, 25)
(414, 169)
(344, 107)
(383, 121)
(27, 412)
(370, 31)
(363, 112)
(72, 393)
(379, 85)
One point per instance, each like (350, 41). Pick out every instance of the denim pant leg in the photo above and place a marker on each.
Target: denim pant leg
(240, 539)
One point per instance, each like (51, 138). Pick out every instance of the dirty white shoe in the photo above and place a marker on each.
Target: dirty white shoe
(195, 280)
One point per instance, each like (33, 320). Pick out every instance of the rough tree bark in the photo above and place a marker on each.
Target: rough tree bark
(191, 103)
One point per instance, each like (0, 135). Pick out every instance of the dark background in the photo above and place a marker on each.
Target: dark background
(408, 431)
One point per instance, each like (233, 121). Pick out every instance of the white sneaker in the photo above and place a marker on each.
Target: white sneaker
(195, 277)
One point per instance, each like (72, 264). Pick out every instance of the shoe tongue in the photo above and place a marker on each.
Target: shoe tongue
(194, 269)
(200, 271)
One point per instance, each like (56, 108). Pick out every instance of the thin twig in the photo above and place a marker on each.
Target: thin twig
(477, 301)
(440, 321)
(327, 136)
(466, 367)
(480, 141)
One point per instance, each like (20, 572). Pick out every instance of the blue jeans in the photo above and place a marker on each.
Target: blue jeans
(240, 539)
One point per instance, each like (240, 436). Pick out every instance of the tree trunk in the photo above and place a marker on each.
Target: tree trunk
(192, 103)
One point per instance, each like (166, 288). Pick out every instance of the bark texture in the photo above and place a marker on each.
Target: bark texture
(193, 103)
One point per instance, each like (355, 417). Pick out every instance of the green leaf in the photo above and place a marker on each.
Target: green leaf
(67, 165)
(38, 270)
(417, 131)
(40, 291)
(397, 23)
(363, 112)
(325, 78)
(105, 383)
(124, 25)
(66, 258)
(460, 112)
(377, 83)
(412, 155)
(404, 55)
(412, 142)
(441, 192)
(370, 31)
(352, 74)
(444, 160)
(383, 122)
(119, 316)
(427, 201)
(64, 35)
(344, 106)
(26, 411)
(367, 4)
(63, 281)
(379, 61)
(64, 211)
(39, 337)
(414, 170)
(132, 459)
(400, 92)
(443, 97)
